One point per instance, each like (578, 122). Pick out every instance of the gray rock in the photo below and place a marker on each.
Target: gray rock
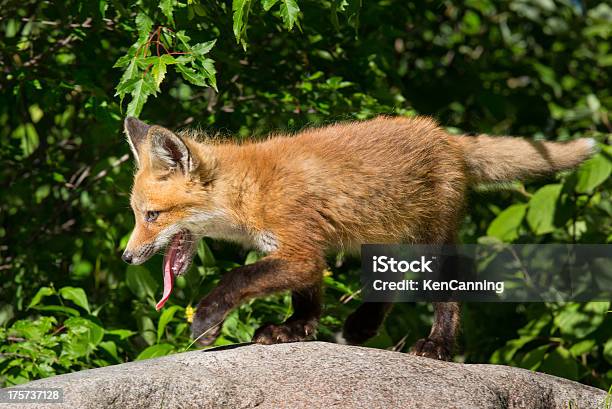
(312, 375)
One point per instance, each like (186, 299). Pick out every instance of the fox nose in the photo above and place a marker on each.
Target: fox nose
(127, 257)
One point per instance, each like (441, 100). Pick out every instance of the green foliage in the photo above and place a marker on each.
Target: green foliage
(507, 222)
(145, 69)
(71, 72)
(564, 340)
(65, 342)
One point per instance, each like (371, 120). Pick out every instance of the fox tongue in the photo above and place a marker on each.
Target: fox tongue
(168, 285)
(169, 260)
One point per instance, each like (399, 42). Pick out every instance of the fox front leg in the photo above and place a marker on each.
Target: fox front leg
(234, 288)
(270, 275)
(301, 326)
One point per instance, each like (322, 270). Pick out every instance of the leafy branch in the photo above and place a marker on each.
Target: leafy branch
(145, 70)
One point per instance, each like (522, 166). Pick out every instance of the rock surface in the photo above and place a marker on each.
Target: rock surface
(312, 375)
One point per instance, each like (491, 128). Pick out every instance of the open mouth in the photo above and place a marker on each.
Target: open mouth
(176, 261)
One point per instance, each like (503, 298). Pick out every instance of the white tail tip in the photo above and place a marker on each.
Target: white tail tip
(592, 145)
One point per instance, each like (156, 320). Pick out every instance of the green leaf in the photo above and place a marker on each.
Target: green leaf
(583, 347)
(158, 71)
(126, 87)
(58, 309)
(210, 72)
(82, 338)
(167, 6)
(155, 351)
(352, 12)
(149, 61)
(76, 295)
(140, 93)
(121, 333)
(205, 254)
(184, 59)
(561, 363)
(547, 76)
(164, 319)
(168, 59)
(607, 351)
(191, 75)
(33, 330)
(471, 23)
(199, 10)
(128, 79)
(337, 5)
(593, 173)
(541, 212)
(42, 292)
(532, 359)
(28, 137)
(183, 38)
(241, 9)
(289, 11)
(7, 313)
(144, 25)
(579, 320)
(505, 354)
(140, 282)
(235, 328)
(123, 61)
(202, 49)
(131, 72)
(252, 257)
(268, 4)
(505, 225)
(111, 348)
(146, 329)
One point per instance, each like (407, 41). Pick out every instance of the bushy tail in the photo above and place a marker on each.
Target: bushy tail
(502, 159)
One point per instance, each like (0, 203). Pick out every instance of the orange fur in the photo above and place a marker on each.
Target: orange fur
(386, 180)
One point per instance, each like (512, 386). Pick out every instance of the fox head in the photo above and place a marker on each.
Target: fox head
(172, 196)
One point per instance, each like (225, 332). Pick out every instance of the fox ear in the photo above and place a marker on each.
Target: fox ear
(169, 151)
(136, 132)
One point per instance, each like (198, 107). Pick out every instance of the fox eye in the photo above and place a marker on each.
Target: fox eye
(151, 216)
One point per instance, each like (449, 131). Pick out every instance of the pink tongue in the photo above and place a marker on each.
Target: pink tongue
(168, 284)
(168, 276)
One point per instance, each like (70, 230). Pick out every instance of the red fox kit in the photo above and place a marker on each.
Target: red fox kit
(296, 198)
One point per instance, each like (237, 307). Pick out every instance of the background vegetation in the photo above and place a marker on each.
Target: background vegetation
(71, 70)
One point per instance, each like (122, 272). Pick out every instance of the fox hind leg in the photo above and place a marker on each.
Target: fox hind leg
(440, 343)
(365, 321)
(441, 340)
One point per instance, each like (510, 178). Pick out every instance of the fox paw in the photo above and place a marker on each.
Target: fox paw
(206, 337)
(432, 348)
(206, 325)
(290, 331)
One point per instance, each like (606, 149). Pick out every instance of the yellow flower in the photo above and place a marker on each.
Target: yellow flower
(189, 311)
(327, 273)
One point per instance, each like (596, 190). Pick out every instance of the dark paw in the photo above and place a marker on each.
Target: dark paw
(365, 322)
(205, 337)
(206, 326)
(290, 331)
(355, 332)
(431, 348)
